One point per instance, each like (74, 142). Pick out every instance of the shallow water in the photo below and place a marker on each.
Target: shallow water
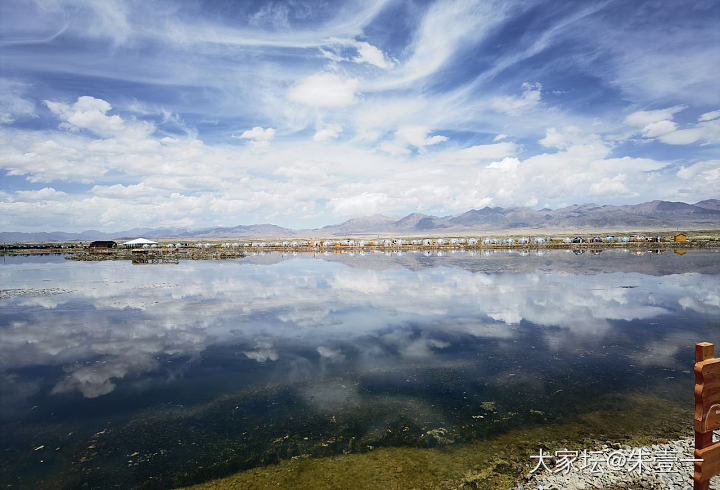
(161, 375)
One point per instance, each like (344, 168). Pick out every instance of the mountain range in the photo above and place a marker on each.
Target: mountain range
(653, 215)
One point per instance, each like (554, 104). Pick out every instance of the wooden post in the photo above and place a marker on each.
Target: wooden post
(704, 351)
(706, 399)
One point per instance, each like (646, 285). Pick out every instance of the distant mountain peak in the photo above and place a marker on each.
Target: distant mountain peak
(709, 204)
(648, 216)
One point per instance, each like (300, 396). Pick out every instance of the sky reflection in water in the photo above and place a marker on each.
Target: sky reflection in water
(113, 339)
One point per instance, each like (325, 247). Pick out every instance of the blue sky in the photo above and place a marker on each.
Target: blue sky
(121, 114)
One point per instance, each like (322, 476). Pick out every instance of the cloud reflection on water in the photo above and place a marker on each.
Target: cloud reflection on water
(120, 320)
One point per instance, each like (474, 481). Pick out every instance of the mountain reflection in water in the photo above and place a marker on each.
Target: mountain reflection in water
(339, 346)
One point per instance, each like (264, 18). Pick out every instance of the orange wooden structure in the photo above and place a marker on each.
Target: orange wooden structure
(707, 414)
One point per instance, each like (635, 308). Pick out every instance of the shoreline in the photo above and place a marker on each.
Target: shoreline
(669, 455)
(151, 255)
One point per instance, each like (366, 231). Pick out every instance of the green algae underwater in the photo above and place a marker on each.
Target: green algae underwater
(496, 462)
(177, 446)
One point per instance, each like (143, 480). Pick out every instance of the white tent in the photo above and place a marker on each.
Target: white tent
(139, 242)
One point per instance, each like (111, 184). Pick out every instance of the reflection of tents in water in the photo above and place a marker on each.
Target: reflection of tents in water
(680, 251)
(140, 243)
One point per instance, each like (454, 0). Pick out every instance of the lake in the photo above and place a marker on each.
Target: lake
(113, 374)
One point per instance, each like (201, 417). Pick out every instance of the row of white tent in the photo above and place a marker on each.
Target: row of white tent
(144, 243)
(355, 243)
(140, 243)
(425, 242)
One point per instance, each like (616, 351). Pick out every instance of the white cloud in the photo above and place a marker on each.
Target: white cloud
(367, 53)
(506, 165)
(258, 133)
(654, 66)
(659, 124)
(361, 204)
(641, 119)
(90, 113)
(259, 137)
(707, 132)
(709, 116)
(136, 192)
(611, 186)
(569, 136)
(410, 135)
(329, 132)
(659, 128)
(13, 102)
(87, 113)
(182, 181)
(332, 55)
(500, 137)
(445, 26)
(705, 175)
(324, 90)
(567, 176)
(682, 136)
(555, 139)
(530, 98)
(44, 194)
(393, 148)
(418, 136)
(271, 15)
(485, 152)
(107, 19)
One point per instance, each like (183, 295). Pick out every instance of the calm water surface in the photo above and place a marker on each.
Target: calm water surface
(160, 375)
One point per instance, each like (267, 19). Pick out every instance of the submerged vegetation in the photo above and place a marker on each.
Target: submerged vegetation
(385, 444)
(492, 463)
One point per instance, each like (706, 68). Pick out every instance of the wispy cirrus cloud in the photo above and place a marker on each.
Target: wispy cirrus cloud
(300, 114)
